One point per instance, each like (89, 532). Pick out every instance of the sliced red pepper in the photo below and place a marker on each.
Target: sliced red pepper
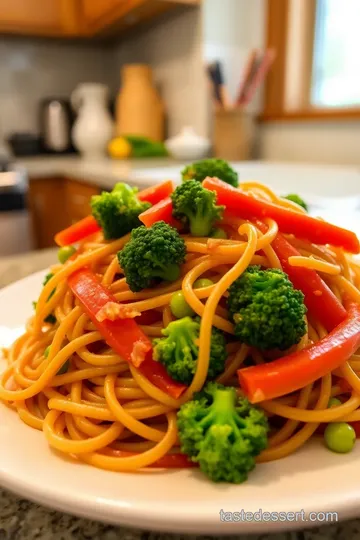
(302, 225)
(121, 334)
(319, 299)
(156, 373)
(124, 336)
(162, 211)
(169, 461)
(356, 426)
(154, 194)
(78, 231)
(296, 370)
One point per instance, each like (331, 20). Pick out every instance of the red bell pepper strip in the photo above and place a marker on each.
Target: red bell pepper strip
(319, 299)
(87, 226)
(124, 336)
(156, 373)
(289, 373)
(78, 231)
(302, 225)
(155, 194)
(169, 461)
(356, 426)
(162, 211)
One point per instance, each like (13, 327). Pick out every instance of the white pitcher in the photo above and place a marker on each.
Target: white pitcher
(93, 127)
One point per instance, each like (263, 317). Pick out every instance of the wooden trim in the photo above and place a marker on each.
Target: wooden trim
(277, 34)
(308, 39)
(331, 114)
(299, 54)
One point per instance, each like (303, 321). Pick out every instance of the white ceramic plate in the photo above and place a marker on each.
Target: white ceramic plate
(312, 480)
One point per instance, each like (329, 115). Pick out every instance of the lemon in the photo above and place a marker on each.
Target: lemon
(119, 148)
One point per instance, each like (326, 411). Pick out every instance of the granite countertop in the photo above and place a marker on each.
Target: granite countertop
(102, 172)
(23, 520)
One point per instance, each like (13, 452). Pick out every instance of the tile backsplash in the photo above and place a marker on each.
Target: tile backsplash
(32, 69)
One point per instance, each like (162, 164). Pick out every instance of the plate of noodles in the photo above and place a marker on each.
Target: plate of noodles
(191, 362)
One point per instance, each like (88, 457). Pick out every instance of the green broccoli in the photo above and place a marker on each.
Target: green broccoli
(223, 433)
(178, 351)
(297, 199)
(211, 167)
(195, 207)
(267, 311)
(118, 212)
(151, 255)
(50, 319)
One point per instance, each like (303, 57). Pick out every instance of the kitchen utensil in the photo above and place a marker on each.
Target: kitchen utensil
(221, 92)
(259, 75)
(139, 109)
(93, 127)
(247, 75)
(55, 122)
(187, 145)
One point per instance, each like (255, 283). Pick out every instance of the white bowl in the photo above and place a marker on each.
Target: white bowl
(188, 145)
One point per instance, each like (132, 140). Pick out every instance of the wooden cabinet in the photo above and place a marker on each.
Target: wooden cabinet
(80, 18)
(47, 209)
(40, 17)
(110, 16)
(56, 203)
(94, 11)
(78, 197)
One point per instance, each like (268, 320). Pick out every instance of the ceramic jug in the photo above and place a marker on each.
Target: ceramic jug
(93, 127)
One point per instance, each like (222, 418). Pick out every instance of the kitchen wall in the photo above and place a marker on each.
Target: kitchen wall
(174, 48)
(32, 69)
(314, 142)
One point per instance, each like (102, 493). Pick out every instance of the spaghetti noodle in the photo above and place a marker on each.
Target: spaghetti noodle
(105, 412)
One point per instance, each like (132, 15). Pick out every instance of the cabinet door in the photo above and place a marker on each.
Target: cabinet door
(40, 17)
(48, 209)
(93, 10)
(78, 197)
(114, 16)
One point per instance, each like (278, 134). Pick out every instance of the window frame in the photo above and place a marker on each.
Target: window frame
(277, 31)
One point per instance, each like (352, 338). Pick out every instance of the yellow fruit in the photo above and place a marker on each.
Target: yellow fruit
(119, 148)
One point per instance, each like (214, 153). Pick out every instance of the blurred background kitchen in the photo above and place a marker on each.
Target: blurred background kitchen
(94, 92)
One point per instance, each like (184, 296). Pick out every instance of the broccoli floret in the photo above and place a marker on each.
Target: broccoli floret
(151, 255)
(223, 433)
(178, 351)
(195, 207)
(211, 167)
(267, 311)
(118, 212)
(298, 200)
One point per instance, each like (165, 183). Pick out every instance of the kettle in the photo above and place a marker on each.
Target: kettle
(55, 122)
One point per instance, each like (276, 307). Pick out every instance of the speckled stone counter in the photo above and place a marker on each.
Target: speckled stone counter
(23, 520)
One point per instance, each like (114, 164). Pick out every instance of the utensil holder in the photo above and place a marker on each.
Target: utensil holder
(233, 134)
